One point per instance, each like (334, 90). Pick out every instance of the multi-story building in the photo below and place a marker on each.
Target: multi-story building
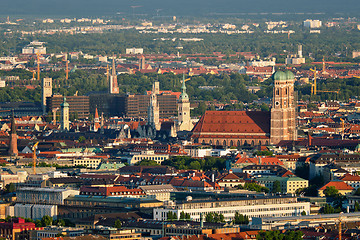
(17, 228)
(287, 184)
(312, 23)
(78, 105)
(55, 231)
(275, 206)
(44, 195)
(148, 155)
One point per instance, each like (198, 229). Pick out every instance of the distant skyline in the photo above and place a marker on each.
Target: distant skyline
(200, 8)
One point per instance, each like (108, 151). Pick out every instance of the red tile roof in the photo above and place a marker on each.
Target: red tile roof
(339, 185)
(349, 177)
(241, 122)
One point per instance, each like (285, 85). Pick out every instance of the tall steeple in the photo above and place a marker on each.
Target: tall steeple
(13, 151)
(283, 114)
(153, 110)
(184, 119)
(113, 84)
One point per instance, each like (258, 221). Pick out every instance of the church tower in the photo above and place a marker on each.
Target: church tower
(184, 120)
(65, 123)
(13, 150)
(283, 125)
(153, 110)
(46, 85)
(113, 84)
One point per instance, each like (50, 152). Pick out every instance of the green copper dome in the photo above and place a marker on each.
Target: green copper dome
(279, 76)
(289, 75)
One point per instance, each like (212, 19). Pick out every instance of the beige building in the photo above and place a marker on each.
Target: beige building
(149, 155)
(161, 192)
(287, 184)
(184, 119)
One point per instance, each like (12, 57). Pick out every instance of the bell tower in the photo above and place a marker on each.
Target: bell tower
(184, 120)
(283, 114)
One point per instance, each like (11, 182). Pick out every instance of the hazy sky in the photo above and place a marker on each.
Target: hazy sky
(172, 7)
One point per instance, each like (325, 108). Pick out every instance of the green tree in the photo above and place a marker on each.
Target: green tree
(357, 192)
(146, 162)
(59, 222)
(331, 192)
(303, 213)
(212, 217)
(328, 209)
(276, 187)
(117, 224)
(9, 188)
(46, 221)
(184, 216)
(171, 216)
(240, 219)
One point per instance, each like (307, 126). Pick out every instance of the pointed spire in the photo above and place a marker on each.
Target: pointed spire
(183, 95)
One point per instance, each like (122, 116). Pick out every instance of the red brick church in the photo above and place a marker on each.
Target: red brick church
(237, 128)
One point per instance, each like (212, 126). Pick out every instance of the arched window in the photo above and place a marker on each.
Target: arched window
(252, 143)
(203, 141)
(224, 143)
(217, 142)
(277, 91)
(266, 143)
(259, 142)
(210, 142)
(238, 143)
(231, 143)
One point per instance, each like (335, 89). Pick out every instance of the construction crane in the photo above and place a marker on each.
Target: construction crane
(34, 157)
(314, 90)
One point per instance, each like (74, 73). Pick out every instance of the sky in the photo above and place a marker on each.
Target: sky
(172, 7)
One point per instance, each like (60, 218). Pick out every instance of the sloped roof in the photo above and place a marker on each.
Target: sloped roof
(349, 177)
(242, 122)
(339, 185)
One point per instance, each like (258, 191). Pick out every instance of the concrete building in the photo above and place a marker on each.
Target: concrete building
(251, 207)
(287, 184)
(161, 192)
(297, 58)
(78, 105)
(147, 154)
(33, 211)
(55, 231)
(134, 51)
(312, 23)
(44, 195)
(17, 228)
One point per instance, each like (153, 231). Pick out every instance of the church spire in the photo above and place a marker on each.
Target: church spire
(183, 94)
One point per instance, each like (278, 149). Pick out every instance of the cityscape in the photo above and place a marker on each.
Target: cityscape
(150, 122)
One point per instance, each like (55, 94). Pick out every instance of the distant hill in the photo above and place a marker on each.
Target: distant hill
(173, 7)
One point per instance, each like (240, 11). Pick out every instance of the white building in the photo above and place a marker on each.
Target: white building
(44, 195)
(134, 51)
(148, 155)
(252, 207)
(312, 23)
(33, 211)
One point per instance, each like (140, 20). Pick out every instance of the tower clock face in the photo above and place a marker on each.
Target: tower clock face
(277, 103)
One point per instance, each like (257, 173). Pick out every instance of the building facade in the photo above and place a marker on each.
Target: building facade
(283, 114)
